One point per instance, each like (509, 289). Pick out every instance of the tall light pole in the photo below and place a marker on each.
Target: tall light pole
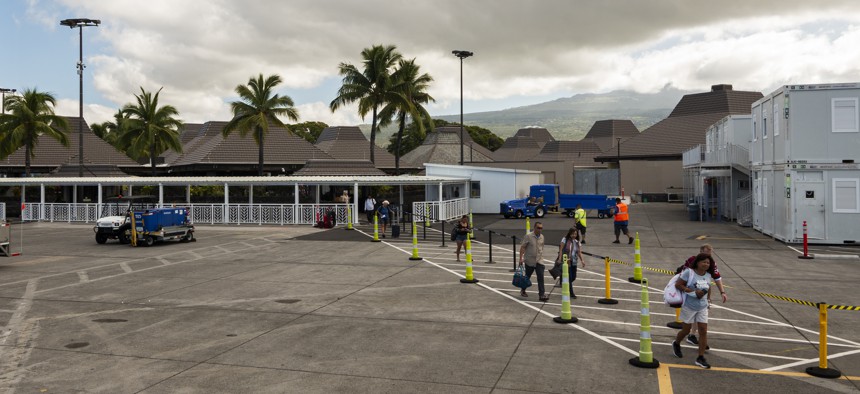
(618, 157)
(3, 91)
(80, 23)
(462, 55)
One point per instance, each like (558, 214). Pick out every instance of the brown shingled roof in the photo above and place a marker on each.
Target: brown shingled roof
(349, 143)
(442, 146)
(517, 148)
(539, 134)
(339, 167)
(687, 124)
(605, 132)
(582, 153)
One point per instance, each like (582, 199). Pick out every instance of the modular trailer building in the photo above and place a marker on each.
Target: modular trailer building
(804, 154)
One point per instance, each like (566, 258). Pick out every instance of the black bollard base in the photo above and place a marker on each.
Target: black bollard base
(489, 262)
(349, 229)
(805, 257)
(607, 301)
(634, 280)
(635, 362)
(675, 324)
(559, 320)
(416, 258)
(375, 240)
(827, 373)
(464, 280)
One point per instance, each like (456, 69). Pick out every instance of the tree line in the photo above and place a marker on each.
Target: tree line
(386, 86)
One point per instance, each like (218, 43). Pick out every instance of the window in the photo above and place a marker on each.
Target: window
(775, 119)
(763, 124)
(755, 131)
(844, 115)
(764, 192)
(475, 189)
(846, 196)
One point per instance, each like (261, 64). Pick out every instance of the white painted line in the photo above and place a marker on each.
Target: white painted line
(83, 276)
(811, 360)
(794, 249)
(836, 256)
(163, 260)
(712, 349)
(23, 307)
(125, 267)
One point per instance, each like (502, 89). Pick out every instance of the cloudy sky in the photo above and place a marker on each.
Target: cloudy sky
(526, 51)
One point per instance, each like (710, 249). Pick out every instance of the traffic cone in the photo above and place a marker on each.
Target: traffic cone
(637, 262)
(470, 277)
(415, 243)
(349, 218)
(375, 229)
(470, 224)
(566, 316)
(646, 356)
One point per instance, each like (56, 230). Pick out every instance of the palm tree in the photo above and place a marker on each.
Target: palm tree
(149, 129)
(259, 107)
(410, 87)
(30, 115)
(371, 87)
(110, 131)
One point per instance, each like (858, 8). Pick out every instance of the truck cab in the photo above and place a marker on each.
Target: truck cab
(116, 220)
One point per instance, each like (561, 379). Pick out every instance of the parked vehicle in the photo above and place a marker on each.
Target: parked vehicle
(545, 198)
(162, 224)
(116, 224)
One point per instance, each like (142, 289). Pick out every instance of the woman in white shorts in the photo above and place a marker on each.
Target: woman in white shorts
(695, 283)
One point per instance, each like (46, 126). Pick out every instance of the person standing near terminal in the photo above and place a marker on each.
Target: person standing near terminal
(718, 279)
(384, 215)
(370, 208)
(695, 283)
(621, 221)
(531, 254)
(571, 247)
(579, 221)
(461, 230)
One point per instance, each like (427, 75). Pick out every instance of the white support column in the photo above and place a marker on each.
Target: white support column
(42, 201)
(226, 203)
(318, 194)
(130, 190)
(251, 194)
(441, 214)
(296, 204)
(354, 217)
(23, 200)
(98, 202)
(161, 195)
(188, 194)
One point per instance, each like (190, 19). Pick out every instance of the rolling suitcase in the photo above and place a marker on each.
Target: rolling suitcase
(395, 230)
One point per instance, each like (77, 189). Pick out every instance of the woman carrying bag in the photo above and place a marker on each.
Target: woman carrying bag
(571, 247)
(461, 232)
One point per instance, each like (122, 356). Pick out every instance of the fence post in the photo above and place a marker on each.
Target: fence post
(514, 249)
(443, 234)
(490, 261)
(821, 370)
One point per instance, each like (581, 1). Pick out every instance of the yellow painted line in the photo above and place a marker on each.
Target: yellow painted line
(701, 237)
(664, 379)
(755, 371)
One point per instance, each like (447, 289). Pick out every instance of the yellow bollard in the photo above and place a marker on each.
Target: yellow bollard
(349, 218)
(528, 225)
(376, 228)
(637, 263)
(470, 277)
(677, 324)
(415, 243)
(566, 315)
(608, 300)
(821, 370)
(133, 230)
(646, 356)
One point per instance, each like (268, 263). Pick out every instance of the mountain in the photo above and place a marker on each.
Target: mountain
(568, 118)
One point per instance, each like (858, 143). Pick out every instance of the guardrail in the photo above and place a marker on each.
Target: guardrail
(441, 210)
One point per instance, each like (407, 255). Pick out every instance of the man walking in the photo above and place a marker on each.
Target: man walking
(370, 208)
(621, 221)
(579, 221)
(531, 254)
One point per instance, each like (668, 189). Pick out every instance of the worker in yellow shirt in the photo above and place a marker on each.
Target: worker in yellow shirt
(579, 220)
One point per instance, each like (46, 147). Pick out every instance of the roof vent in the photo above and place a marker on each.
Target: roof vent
(717, 88)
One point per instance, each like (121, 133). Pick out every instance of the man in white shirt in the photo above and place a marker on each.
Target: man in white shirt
(370, 208)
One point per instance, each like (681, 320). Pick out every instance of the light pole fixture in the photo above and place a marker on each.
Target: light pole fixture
(3, 91)
(462, 55)
(80, 23)
(618, 158)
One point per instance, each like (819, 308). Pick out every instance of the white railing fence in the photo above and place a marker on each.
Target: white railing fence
(745, 208)
(2, 211)
(440, 210)
(279, 214)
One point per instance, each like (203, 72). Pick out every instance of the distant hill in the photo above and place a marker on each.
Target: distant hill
(569, 118)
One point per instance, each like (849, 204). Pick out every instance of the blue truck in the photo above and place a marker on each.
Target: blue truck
(546, 198)
(162, 224)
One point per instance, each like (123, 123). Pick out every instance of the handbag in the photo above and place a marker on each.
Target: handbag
(556, 271)
(454, 234)
(671, 295)
(520, 279)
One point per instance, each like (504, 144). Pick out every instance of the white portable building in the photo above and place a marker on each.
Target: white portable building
(487, 186)
(804, 154)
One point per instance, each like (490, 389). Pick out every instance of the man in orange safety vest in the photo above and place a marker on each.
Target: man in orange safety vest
(621, 221)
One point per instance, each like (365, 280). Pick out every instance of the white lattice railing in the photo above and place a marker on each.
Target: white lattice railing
(440, 210)
(2, 211)
(745, 210)
(279, 214)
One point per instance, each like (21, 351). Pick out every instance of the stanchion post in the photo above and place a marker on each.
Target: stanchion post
(375, 228)
(348, 217)
(443, 234)
(490, 248)
(470, 277)
(528, 225)
(608, 300)
(637, 262)
(806, 255)
(426, 224)
(566, 315)
(514, 249)
(646, 356)
(414, 244)
(822, 371)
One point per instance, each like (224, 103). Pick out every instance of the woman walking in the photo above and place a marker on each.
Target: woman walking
(695, 283)
(461, 230)
(571, 247)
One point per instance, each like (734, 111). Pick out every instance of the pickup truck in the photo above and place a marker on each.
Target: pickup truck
(545, 198)
(115, 222)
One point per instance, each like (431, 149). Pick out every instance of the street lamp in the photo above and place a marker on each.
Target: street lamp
(618, 158)
(462, 55)
(3, 91)
(80, 23)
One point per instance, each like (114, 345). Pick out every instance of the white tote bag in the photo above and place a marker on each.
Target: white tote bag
(671, 295)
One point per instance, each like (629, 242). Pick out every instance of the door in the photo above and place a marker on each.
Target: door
(810, 207)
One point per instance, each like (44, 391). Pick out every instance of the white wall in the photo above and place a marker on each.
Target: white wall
(497, 184)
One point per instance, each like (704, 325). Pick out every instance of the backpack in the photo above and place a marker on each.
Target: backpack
(671, 295)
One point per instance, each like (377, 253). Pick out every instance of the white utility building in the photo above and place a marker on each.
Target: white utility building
(487, 186)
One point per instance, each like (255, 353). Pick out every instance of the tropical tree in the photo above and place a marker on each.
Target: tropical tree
(110, 131)
(410, 87)
(30, 116)
(414, 137)
(259, 107)
(149, 130)
(310, 131)
(371, 87)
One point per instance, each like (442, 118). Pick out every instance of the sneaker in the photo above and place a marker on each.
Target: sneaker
(691, 339)
(543, 298)
(630, 241)
(676, 350)
(616, 242)
(700, 361)
(573, 296)
(523, 293)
